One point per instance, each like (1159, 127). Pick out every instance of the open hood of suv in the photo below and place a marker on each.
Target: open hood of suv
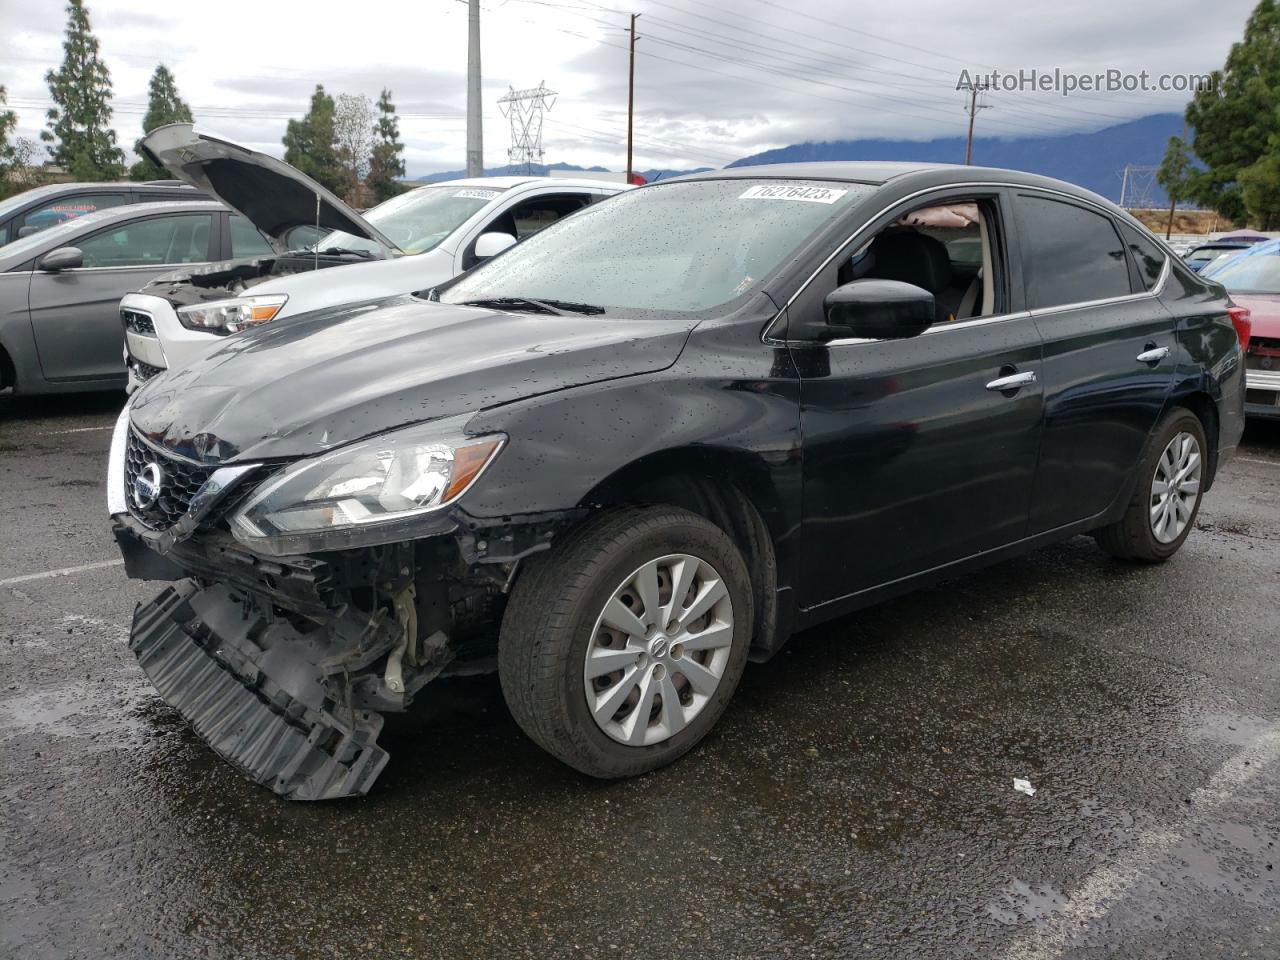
(273, 196)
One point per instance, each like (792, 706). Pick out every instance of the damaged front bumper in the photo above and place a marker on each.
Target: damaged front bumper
(285, 665)
(259, 694)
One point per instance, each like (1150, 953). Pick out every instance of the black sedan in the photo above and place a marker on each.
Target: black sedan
(649, 444)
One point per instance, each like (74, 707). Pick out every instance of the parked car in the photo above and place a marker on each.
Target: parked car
(410, 242)
(648, 444)
(42, 207)
(1253, 281)
(60, 289)
(1206, 253)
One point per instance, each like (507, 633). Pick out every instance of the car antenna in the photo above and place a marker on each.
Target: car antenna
(315, 249)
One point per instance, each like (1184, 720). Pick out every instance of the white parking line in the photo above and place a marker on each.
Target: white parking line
(1104, 888)
(63, 572)
(1269, 463)
(58, 433)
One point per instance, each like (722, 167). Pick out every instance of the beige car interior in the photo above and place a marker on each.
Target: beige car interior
(942, 248)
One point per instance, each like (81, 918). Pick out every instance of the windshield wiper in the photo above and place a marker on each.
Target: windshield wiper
(337, 250)
(539, 305)
(557, 307)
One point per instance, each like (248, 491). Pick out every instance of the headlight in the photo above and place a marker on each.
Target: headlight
(231, 316)
(366, 493)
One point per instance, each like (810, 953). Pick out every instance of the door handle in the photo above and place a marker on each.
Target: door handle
(1153, 355)
(1015, 381)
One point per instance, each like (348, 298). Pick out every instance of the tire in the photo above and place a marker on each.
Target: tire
(556, 614)
(1135, 535)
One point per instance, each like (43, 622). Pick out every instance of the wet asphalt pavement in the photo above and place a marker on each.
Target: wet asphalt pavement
(857, 799)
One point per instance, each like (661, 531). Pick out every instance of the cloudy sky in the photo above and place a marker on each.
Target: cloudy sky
(715, 79)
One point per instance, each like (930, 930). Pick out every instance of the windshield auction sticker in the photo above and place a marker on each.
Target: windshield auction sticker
(475, 194)
(779, 191)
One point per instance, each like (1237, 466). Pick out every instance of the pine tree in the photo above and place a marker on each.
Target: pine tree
(163, 106)
(309, 143)
(387, 165)
(1235, 119)
(79, 131)
(8, 123)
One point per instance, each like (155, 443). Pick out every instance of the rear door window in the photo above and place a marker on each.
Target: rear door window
(158, 240)
(1069, 254)
(64, 209)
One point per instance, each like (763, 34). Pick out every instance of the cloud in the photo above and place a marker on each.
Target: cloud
(715, 80)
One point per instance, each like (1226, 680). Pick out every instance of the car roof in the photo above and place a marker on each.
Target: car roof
(155, 206)
(853, 171)
(105, 186)
(878, 173)
(507, 182)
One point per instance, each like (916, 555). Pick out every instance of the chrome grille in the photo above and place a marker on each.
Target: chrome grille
(179, 483)
(138, 322)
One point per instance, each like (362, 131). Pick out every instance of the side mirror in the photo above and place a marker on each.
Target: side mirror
(63, 258)
(491, 244)
(878, 310)
(27, 231)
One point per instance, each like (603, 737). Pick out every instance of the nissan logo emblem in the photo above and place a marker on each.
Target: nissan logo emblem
(146, 486)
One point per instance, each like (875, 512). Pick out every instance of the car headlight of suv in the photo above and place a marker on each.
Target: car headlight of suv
(232, 316)
(370, 492)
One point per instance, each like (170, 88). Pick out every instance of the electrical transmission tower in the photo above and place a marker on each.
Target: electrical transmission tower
(524, 110)
(1137, 186)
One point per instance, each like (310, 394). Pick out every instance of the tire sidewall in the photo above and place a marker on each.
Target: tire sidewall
(690, 538)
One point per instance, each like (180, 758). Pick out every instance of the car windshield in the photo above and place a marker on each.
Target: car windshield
(683, 246)
(1205, 254)
(1256, 273)
(418, 220)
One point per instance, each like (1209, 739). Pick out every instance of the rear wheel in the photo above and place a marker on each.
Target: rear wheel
(1166, 499)
(621, 647)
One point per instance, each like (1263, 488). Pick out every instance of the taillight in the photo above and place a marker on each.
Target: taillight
(1243, 323)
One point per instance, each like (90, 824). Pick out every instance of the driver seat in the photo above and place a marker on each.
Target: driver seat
(912, 257)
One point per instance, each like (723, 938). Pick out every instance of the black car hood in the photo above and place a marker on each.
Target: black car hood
(328, 378)
(272, 195)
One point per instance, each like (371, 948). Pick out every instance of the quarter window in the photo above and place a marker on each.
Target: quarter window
(159, 240)
(246, 241)
(1069, 254)
(1147, 256)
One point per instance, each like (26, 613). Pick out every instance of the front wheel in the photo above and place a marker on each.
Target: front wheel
(621, 647)
(1166, 498)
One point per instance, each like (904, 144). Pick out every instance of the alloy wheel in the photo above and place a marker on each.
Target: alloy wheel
(1175, 488)
(659, 650)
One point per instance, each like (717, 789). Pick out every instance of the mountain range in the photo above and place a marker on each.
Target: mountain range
(1094, 160)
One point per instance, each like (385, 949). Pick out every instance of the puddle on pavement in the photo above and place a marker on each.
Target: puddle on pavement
(1021, 903)
(103, 714)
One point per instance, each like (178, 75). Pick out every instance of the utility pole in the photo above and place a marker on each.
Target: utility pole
(1124, 182)
(475, 120)
(631, 93)
(974, 107)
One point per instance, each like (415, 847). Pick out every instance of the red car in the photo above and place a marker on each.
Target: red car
(1253, 280)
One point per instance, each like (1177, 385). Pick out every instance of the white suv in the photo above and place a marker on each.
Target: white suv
(310, 250)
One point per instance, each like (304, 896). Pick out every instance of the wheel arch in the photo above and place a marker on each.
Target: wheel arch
(731, 489)
(1205, 409)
